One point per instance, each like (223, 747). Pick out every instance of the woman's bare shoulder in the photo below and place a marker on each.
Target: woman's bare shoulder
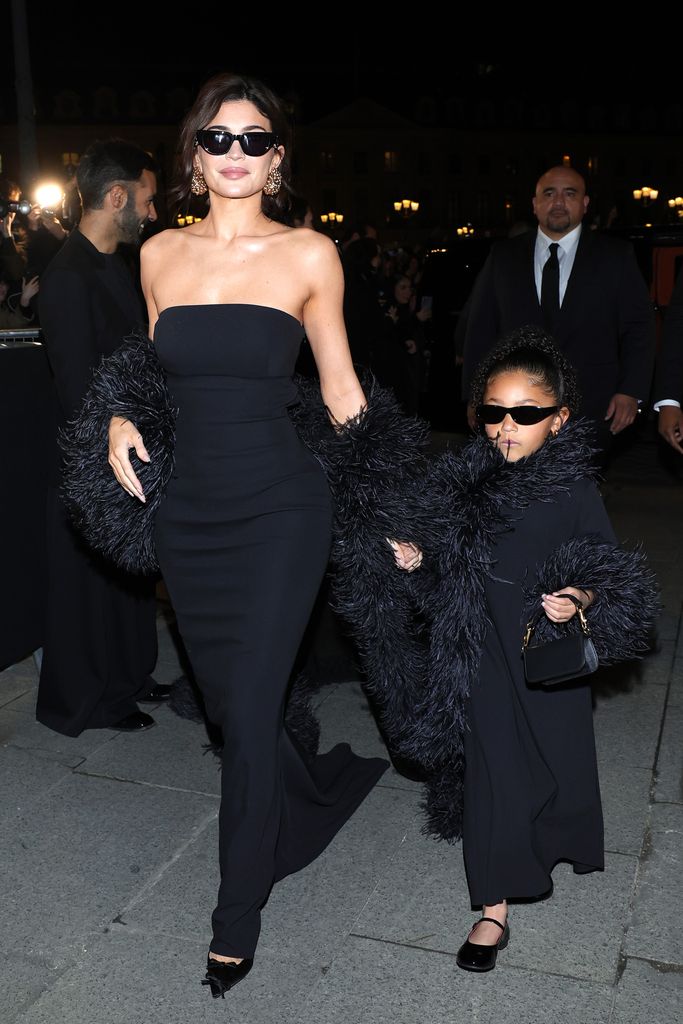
(163, 242)
(312, 246)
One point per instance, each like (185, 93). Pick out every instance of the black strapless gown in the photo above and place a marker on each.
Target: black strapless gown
(243, 537)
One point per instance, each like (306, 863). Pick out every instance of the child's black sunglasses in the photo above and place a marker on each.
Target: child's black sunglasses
(217, 142)
(525, 415)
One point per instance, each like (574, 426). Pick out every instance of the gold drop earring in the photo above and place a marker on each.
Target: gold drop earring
(198, 186)
(273, 182)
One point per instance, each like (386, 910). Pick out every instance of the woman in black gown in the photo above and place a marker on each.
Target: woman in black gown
(243, 533)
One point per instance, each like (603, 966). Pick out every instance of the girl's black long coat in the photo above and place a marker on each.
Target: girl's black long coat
(531, 792)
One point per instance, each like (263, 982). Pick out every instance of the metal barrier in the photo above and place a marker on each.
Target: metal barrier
(26, 336)
(28, 425)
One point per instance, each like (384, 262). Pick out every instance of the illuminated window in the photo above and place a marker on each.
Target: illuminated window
(390, 160)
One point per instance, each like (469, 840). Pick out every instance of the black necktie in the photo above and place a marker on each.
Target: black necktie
(550, 289)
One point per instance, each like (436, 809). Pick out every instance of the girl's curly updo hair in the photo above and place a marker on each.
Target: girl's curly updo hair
(221, 89)
(531, 350)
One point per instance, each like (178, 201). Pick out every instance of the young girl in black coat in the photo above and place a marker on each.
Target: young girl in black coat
(520, 527)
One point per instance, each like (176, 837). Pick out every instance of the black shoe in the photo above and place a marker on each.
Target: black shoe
(157, 695)
(222, 977)
(472, 957)
(136, 721)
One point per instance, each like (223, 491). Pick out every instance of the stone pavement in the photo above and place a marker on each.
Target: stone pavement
(109, 866)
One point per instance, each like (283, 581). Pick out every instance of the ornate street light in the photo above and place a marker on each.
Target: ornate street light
(676, 207)
(406, 207)
(645, 195)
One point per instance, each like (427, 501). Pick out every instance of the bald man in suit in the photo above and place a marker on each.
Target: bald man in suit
(585, 288)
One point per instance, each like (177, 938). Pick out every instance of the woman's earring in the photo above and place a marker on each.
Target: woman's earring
(273, 182)
(198, 186)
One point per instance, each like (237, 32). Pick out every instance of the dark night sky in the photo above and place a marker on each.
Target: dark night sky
(142, 48)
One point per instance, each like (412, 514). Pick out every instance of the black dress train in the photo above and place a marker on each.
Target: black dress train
(243, 537)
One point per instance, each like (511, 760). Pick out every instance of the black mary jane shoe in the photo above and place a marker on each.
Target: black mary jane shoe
(222, 977)
(472, 957)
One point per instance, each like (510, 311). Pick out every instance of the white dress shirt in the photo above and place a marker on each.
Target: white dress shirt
(565, 255)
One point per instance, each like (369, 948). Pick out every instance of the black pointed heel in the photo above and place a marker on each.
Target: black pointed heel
(472, 957)
(222, 977)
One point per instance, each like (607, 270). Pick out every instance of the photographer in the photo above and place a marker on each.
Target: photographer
(44, 238)
(12, 253)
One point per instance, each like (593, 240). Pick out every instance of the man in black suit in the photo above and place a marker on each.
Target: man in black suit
(100, 636)
(584, 288)
(669, 376)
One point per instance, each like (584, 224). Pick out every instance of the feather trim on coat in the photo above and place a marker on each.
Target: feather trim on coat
(129, 383)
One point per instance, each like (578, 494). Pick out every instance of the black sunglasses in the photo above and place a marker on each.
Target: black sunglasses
(217, 142)
(525, 415)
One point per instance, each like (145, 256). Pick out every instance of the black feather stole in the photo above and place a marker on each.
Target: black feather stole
(130, 383)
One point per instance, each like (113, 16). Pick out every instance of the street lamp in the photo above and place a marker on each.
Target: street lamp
(466, 231)
(676, 207)
(406, 207)
(645, 195)
(332, 217)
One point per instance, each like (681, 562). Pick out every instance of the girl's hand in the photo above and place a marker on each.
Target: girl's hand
(408, 556)
(559, 609)
(124, 435)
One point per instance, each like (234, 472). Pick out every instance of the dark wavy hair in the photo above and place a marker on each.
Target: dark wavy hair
(221, 89)
(108, 162)
(531, 350)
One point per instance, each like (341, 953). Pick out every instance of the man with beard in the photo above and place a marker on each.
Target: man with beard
(585, 288)
(100, 641)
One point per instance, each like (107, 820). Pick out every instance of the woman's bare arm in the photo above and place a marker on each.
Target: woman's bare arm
(326, 331)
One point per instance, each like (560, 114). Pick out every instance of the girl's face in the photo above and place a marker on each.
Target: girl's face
(514, 440)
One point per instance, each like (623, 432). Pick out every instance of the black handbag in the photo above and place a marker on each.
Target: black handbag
(559, 661)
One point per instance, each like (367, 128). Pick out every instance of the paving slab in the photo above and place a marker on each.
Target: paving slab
(667, 624)
(345, 717)
(627, 728)
(422, 901)
(25, 702)
(648, 993)
(625, 795)
(173, 754)
(18, 728)
(75, 858)
(24, 980)
(669, 785)
(125, 978)
(24, 781)
(313, 908)
(376, 983)
(676, 687)
(655, 932)
(17, 680)
(344, 878)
